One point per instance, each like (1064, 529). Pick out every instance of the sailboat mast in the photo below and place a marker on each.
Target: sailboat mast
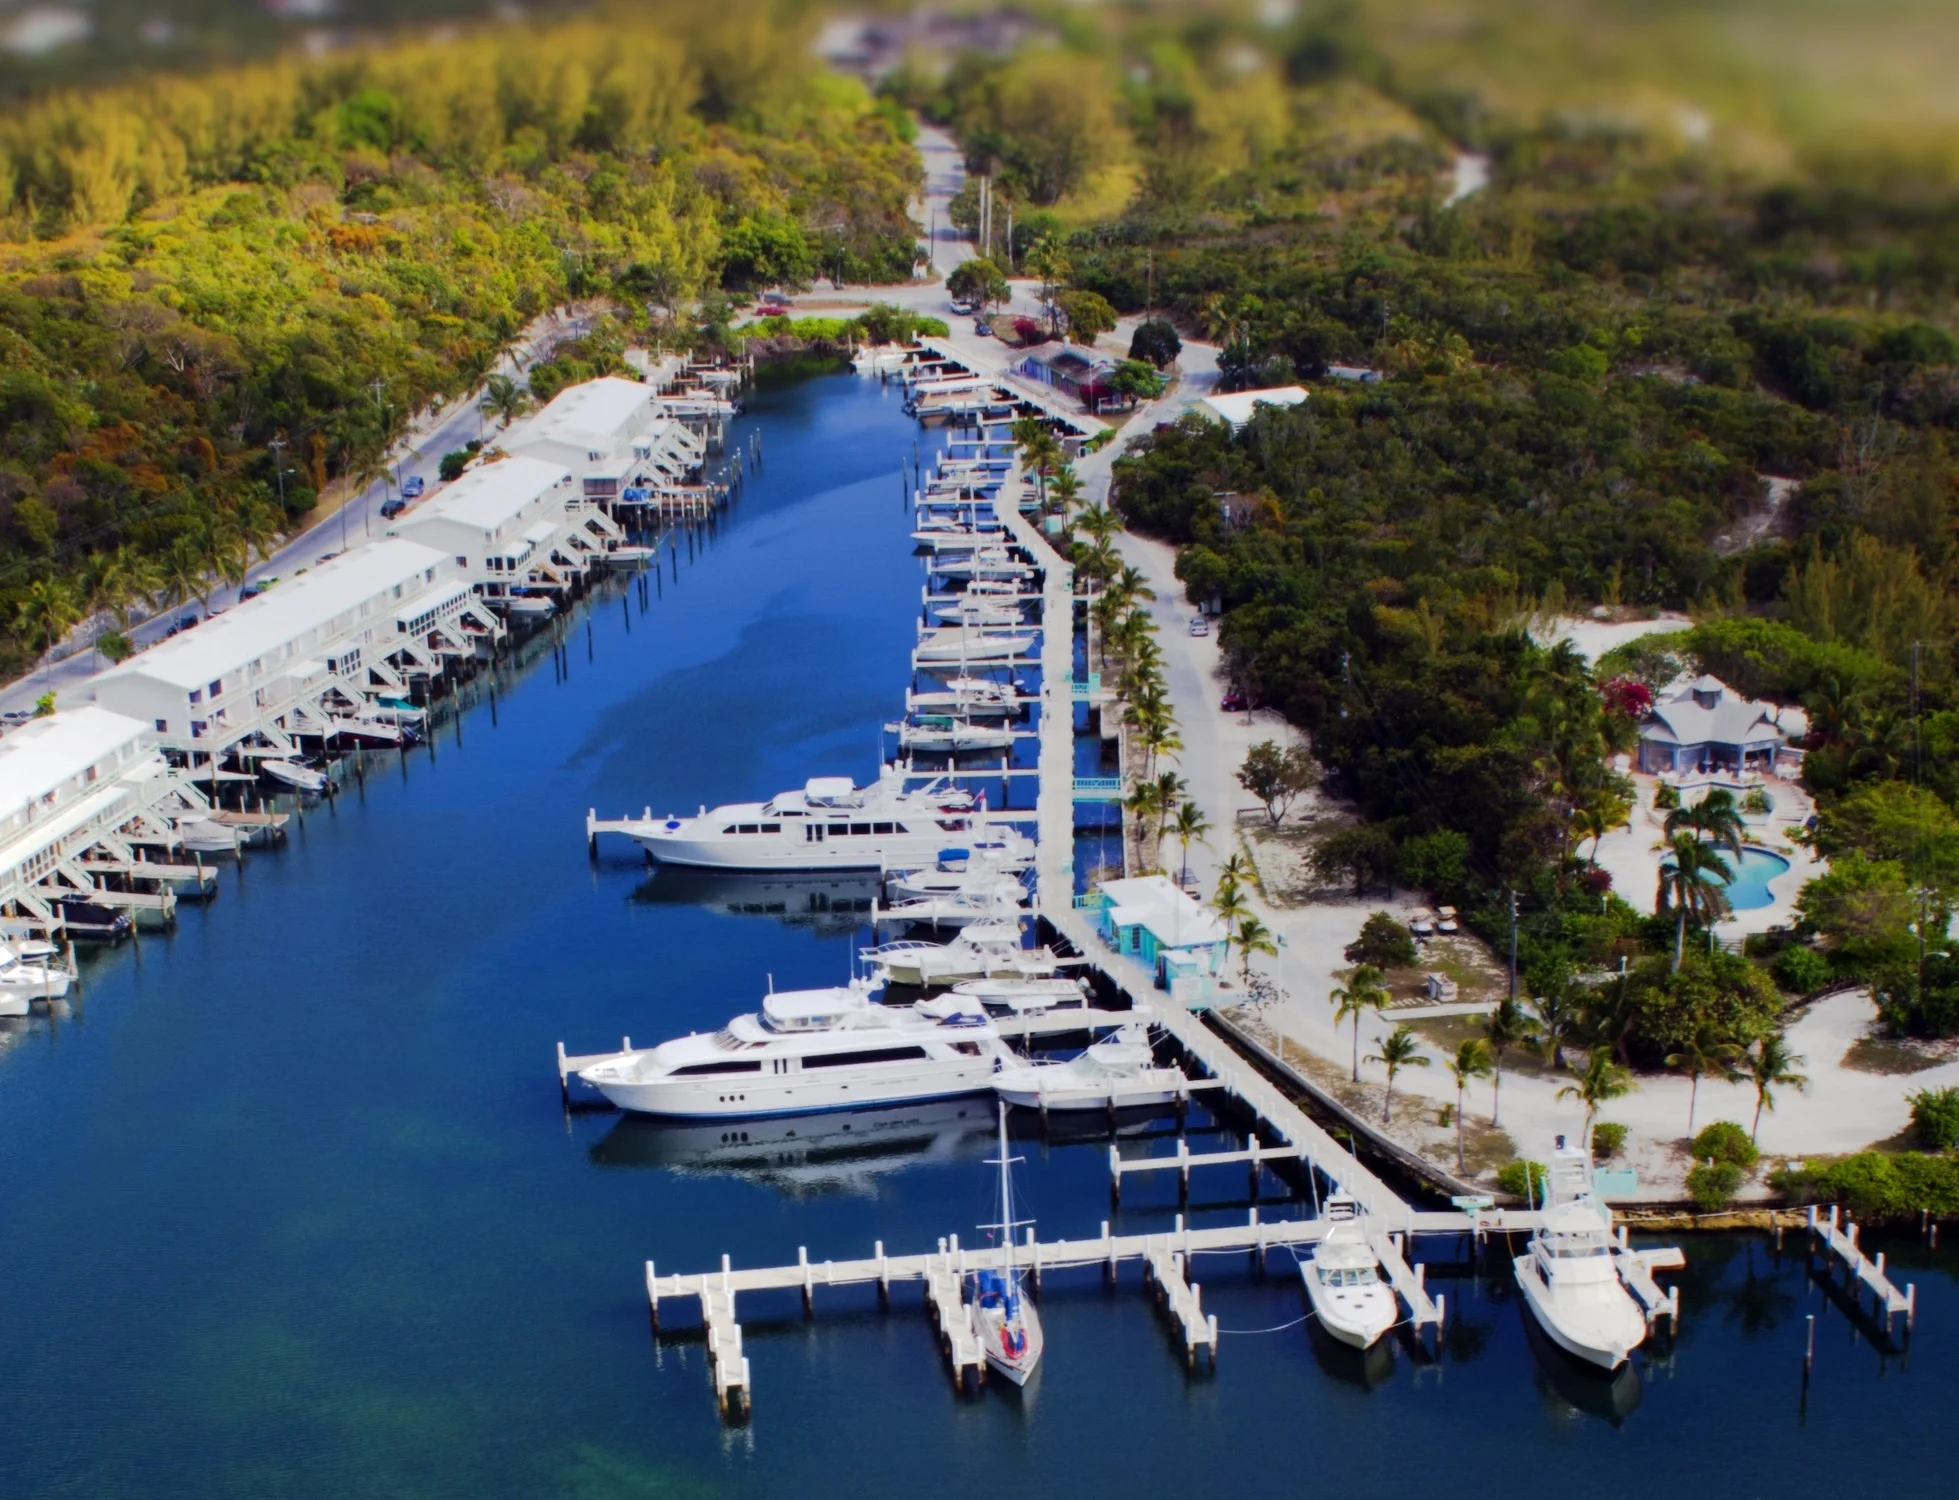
(1006, 1192)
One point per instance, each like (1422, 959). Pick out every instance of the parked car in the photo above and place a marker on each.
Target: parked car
(774, 303)
(184, 622)
(412, 487)
(961, 306)
(1200, 626)
(1233, 702)
(392, 508)
(250, 591)
(983, 328)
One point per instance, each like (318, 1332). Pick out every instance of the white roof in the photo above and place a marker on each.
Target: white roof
(1153, 901)
(488, 496)
(283, 613)
(1706, 712)
(595, 416)
(43, 753)
(1238, 407)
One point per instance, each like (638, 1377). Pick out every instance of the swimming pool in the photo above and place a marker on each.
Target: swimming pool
(1749, 890)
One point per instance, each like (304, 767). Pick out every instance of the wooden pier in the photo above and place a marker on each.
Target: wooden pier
(1838, 1237)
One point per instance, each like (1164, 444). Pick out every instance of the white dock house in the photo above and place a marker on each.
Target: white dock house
(81, 793)
(613, 435)
(314, 648)
(516, 530)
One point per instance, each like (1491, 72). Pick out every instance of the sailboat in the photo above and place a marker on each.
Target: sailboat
(1005, 1322)
(1567, 1274)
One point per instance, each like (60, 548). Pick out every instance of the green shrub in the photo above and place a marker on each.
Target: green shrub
(115, 646)
(1608, 1140)
(1801, 971)
(1726, 1144)
(1935, 1118)
(1878, 1184)
(1510, 1177)
(1666, 796)
(1713, 1185)
(452, 463)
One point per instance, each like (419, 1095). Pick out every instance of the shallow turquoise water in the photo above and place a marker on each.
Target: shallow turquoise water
(289, 1206)
(1749, 890)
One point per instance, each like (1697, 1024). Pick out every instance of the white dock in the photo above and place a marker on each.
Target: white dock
(1839, 1238)
(1184, 1160)
(1636, 1268)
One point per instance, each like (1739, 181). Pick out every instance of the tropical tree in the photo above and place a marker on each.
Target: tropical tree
(1399, 1049)
(1771, 1065)
(1557, 1017)
(1361, 993)
(504, 399)
(47, 612)
(1145, 804)
(1707, 1050)
(1252, 936)
(221, 551)
(1473, 1059)
(1715, 820)
(1505, 1027)
(1602, 1081)
(183, 573)
(1229, 901)
(1693, 881)
(1189, 826)
(1597, 816)
(257, 525)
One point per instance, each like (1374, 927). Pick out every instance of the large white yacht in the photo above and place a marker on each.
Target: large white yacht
(1567, 1273)
(806, 1050)
(1343, 1279)
(826, 824)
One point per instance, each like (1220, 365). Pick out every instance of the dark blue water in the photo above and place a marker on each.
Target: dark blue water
(289, 1206)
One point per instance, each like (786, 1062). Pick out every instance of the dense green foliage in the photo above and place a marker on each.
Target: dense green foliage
(1879, 1184)
(1935, 1118)
(278, 266)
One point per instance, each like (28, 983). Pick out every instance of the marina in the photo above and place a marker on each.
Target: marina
(449, 1266)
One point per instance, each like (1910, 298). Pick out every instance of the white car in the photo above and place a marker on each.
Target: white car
(1200, 626)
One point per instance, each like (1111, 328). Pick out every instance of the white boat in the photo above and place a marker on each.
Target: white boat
(998, 851)
(1023, 997)
(1567, 1273)
(22, 983)
(958, 644)
(1118, 1072)
(628, 555)
(1004, 1320)
(956, 538)
(992, 874)
(290, 773)
(1343, 1279)
(364, 731)
(803, 1051)
(527, 606)
(827, 824)
(395, 711)
(970, 697)
(992, 563)
(943, 734)
(985, 950)
(990, 899)
(979, 610)
(204, 835)
(872, 361)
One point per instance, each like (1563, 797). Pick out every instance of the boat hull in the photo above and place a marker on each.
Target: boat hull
(1017, 1368)
(1357, 1322)
(759, 853)
(1605, 1345)
(797, 1093)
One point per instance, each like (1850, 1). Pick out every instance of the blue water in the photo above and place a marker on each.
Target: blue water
(289, 1206)
(1749, 890)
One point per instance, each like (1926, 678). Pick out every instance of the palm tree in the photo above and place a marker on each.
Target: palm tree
(1715, 820)
(1064, 488)
(1189, 826)
(47, 612)
(1144, 802)
(1597, 816)
(1253, 936)
(1398, 1050)
(1769, 1066)
(1602, 1081)
(1098, 521)
(183, 574)
(1558, 1019)
(1707, 1050)
(221, 551)
(1505, 1027)
(258, 529)
(504, 399)
(1170, 790)
(1229, 902)
(1472, 1060)
(1361, 994)
(1694, 880)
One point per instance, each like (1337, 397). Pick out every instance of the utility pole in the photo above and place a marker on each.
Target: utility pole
(277, 445)
(1149, 275)
(1513, 945)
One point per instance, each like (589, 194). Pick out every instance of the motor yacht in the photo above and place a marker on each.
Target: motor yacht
(1118, 1072)
(1567, 1274)
(955, 867)
(991, 563)
(1343, 1279)
(985, 950)
(1022, 997)
(969, 697)
(979, 610)
(986, 898)
(945, 734)
(805, 1050)
(954, 643)
(826, 824)
(1008, 1327)
(22, 983)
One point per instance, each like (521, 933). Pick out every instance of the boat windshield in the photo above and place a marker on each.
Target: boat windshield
(1573, 1246)
(1349, 1276)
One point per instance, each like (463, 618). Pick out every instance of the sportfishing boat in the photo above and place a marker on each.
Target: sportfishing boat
(944, 734)
(1008, 1327)
(988, 898)
(1004, 851)
(22, 982)
(1118, 1072)
(1023, 997)
(960, 644)
(290, 773)
(986, 950)
(805, 1050)
(828, 823)
(1567, 1273)
(968, 697)
(1343, 1279)
(876, 361)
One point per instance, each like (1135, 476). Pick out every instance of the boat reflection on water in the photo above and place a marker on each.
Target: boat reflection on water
(806, 1156)
(835, 905)
(1369, 1368)
(1575, 1388)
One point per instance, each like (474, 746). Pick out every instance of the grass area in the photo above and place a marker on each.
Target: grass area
(1894, 1058)
(1446, 1033)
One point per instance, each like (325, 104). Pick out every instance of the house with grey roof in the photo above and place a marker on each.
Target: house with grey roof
(1706, 726)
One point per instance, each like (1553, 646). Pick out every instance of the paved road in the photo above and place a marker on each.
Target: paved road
(419, 453)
